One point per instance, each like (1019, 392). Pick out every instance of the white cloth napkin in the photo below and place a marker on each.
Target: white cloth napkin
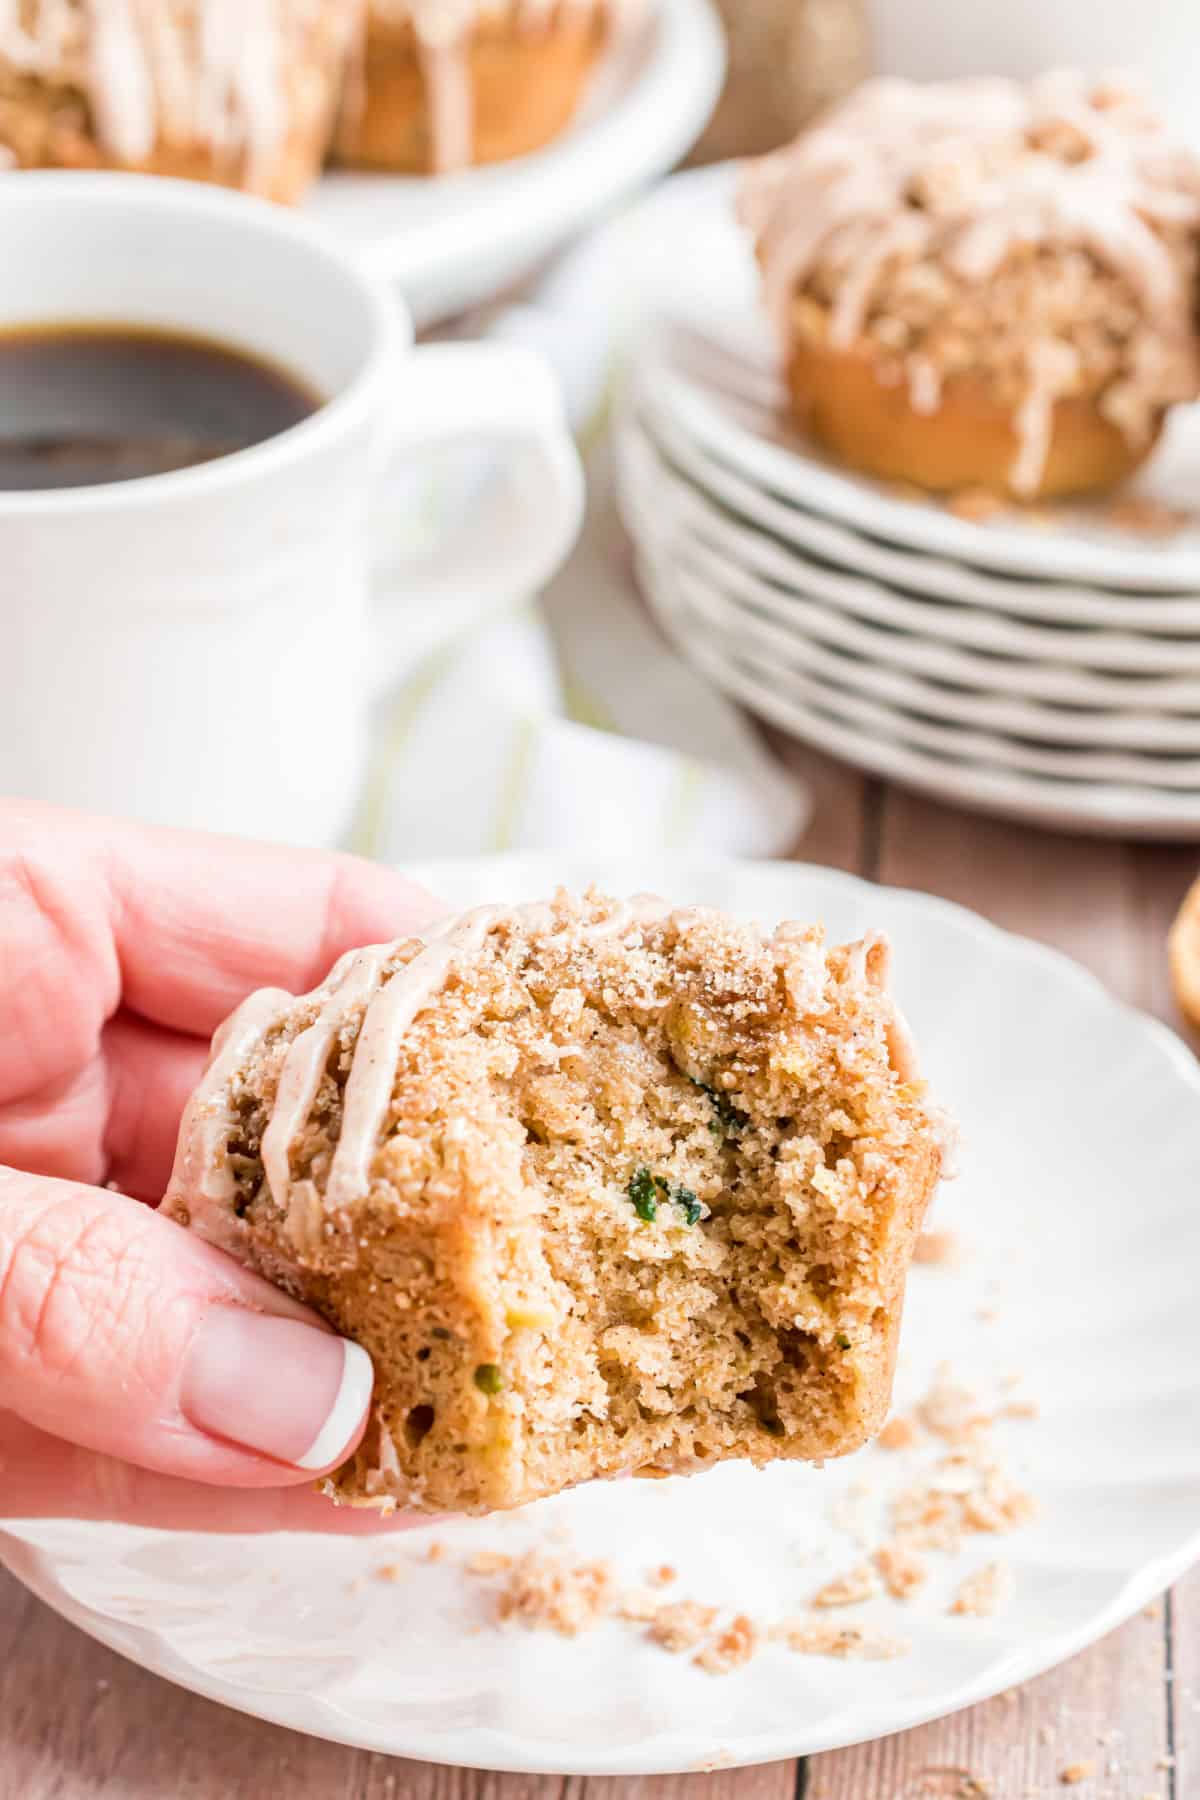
(566, 722)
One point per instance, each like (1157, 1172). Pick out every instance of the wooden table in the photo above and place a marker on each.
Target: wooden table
(77, 1721)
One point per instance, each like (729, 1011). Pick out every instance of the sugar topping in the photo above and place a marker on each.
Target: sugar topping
(386, 994)
(960, 177)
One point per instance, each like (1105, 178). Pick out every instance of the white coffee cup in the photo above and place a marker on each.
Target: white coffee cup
(198, 647)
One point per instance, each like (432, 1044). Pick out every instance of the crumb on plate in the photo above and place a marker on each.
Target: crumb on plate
(731, 1648)
(829, 1637)
(983, 1593)
(849, 1589)
(548, 1593)
(681, 1625)
(901, 1570)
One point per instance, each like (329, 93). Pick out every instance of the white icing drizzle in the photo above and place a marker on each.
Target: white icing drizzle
(373, 1070)
(1066, 160)
(122, 94)
(202, 1185)
(215, 73)
(451, 116)
(201, 1173)
(349, 985)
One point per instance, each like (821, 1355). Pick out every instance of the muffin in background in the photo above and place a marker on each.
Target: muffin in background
(444, 84)
(240, 94)
(981, 284)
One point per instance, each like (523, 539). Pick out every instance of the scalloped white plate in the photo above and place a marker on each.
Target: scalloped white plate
(453, 241)
(1112, 809)
(710, 364)
(811, 535)
(1076, 648)
(795, 606)
(1076, 1202)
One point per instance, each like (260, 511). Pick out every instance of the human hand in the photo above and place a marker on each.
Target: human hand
(144, 1375)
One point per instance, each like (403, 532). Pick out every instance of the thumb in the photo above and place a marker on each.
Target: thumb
(123, 1333)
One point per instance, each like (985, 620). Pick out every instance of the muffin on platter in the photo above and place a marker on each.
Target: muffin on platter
(442, 84)
(982, 284)
(603, 1187)
(241, 95)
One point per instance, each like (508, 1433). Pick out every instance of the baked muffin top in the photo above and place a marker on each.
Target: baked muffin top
(1043, 235)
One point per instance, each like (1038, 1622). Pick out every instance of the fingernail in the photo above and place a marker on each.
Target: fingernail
(275, 1385)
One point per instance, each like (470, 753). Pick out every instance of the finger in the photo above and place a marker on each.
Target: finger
(43, 1477)
(123, 1333)
(59, 1129)
(200, 920)
(179, 925)
(150, 1072)
(114, 1119)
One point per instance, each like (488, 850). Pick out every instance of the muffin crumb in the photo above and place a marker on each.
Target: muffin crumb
(825, 1637)
(851, 1589)
(547, 1592)
(730, 1649)
(983, 1593)
(898, 1434)
(901, 1570)
(681, 1625)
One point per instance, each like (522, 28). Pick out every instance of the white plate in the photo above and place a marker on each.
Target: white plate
(453, 241)
(742, 625)
(918, 674)
(1071, 1275)
(957, 744)
(1100, 808)
(997, 635)
(871, 642)
(1055, 602)
(710, 364)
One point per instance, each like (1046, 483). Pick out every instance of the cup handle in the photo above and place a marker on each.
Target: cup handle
(517, 534)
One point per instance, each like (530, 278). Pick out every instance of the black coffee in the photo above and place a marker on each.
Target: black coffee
(82, 404)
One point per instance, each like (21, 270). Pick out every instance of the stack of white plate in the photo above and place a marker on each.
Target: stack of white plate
(1045, 669)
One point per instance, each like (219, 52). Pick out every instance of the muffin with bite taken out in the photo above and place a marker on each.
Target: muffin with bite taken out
(602, 1186)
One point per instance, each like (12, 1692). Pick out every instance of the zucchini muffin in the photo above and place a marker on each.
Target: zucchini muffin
(442, 84)
(603, 1187)
(210, 90)
(980, 284)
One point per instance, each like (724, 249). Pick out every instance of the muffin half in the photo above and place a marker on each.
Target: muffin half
(601, 1186)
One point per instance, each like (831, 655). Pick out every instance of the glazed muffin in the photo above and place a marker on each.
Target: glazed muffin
(241, 95)
(442, 84)
(602, 1187)
(981, 284)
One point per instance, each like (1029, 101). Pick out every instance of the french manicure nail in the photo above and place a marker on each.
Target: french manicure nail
(278, 1386)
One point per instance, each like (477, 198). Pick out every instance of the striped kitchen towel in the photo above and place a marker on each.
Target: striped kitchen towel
(567, 722)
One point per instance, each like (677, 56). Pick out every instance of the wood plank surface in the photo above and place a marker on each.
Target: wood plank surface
(1107, 1711)
(78, 1722)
